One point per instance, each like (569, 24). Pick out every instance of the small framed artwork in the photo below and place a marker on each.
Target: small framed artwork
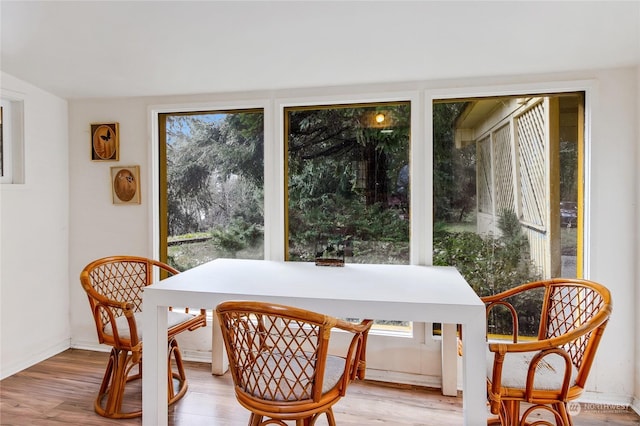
(105, 142)
(125, 185)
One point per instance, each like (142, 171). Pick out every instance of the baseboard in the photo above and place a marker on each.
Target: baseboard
(90, 346)
(404, 378)
(598, 398)
(196, 356)
(610, 403)
(187, 355)
(32, 359)
(635, 405)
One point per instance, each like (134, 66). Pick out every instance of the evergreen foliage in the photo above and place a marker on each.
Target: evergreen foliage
(491, 265)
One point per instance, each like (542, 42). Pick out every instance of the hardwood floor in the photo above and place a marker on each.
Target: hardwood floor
(61, 390)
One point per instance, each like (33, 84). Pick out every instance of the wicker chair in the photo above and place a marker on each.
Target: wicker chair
(279, 362)
(550, 371)
(114, 286)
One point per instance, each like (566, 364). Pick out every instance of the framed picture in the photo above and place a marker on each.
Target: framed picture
(125, 185)
(105, 142)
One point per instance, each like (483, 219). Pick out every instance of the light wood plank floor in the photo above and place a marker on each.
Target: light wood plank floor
(61, 390)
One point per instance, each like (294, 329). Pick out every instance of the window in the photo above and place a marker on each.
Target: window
(508, 192)
(5, 133)
(211, 186)
(11, 150)
(347, 186)
(347, 182)
(442, 209)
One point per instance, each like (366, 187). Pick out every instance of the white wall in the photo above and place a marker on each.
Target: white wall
(614, 253)
(99, 228)
(34, 236)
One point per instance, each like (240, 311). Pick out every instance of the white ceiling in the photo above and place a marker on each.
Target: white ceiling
(126, 48)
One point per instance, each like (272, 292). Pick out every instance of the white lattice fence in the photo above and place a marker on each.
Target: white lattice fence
(485, 199)
(534, 194)
(512, 176)
(538, 249)
(531, 146)
(503, 170)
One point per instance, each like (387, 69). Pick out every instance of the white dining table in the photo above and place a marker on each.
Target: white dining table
(400, 292)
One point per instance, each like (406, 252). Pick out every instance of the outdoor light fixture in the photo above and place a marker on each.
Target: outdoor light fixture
(379, 118)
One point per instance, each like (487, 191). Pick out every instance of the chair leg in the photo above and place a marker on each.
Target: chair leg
(170, 390)
(557, 410)
(178, 357)
(565, 417)
(107, 373)
(175, 354)
(258, 420)
(311, 421)
(118, 374)
(254, 419)
(113, 384)
(509, 414)
(330, 418)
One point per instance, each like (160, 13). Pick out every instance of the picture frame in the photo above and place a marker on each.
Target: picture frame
(125, 184)
(105, 142)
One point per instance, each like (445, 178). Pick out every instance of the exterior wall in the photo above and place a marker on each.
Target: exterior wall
(100, 228)
(636, 214)
(498, 141)
(34, 222)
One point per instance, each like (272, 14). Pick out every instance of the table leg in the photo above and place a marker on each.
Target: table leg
(449, 360)
(474, 402)
(154, 365)
(219, 360)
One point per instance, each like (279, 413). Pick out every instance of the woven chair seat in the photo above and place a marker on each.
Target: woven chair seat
(173, 318)
(280, 379)
(549, 372)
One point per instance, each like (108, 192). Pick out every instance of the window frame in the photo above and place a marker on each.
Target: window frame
(278, 244)
(588, 87)
(12, 140)
(285, 185)
(6, 168)
(420, 158)
(162, 167)
(417, 201)
(155, 112)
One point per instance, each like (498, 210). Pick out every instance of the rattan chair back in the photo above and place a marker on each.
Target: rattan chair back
(574, 314)
(114, 287)
(280, 363)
